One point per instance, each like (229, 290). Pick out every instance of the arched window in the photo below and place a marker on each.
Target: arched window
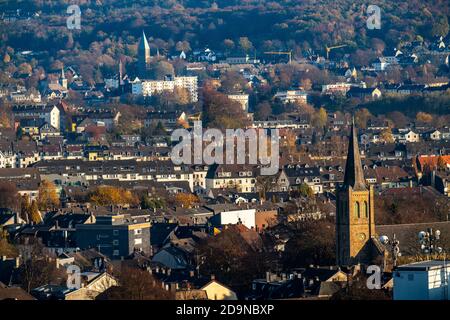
(366, 209)
(357, 210)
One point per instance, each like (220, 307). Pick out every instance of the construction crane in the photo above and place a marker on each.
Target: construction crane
(289, 54)
(328, 49)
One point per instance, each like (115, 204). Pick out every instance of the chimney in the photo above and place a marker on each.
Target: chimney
(169, 271)
(268, 276)
(192, 273)
(213, 277)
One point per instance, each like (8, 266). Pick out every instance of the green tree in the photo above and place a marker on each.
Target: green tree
(305, 190)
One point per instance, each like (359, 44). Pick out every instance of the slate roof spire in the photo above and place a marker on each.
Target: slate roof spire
(354, 175)
(144, 55)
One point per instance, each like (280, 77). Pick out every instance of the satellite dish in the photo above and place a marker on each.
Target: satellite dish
(422, 234)
(384, 239)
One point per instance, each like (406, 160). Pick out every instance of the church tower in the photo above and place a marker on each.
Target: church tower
(63, 79)
(355, 223)
(144, 56)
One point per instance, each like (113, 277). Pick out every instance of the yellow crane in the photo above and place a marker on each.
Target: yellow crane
(328, 49)
(289, 54)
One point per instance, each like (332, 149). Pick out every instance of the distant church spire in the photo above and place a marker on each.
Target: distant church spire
(354, 175)
(120, 72)
(63, 80)
(144, 56)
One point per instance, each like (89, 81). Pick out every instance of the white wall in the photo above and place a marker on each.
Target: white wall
(232, 217)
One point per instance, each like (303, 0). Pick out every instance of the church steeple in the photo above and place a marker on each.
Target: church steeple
(144, 55)
(355, 212)
(63, 79)
(354, 175)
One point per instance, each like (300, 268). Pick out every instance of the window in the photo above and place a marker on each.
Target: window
(115, 242)
(357, 210)
(137, 231)
(116, 232)
(137, 241)
(115, 252)
(366, 209)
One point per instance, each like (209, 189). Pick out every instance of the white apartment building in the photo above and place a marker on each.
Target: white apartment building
(292, 96)
(243, 100)
(147, 88)
(48, 113)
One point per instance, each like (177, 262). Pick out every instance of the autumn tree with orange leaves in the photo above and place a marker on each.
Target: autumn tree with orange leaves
(108, 195)
(186, 200)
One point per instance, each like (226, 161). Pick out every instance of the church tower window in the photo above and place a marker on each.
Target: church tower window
(357, 210)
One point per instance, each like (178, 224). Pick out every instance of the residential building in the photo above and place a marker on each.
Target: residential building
(292, 96)
(116, 236)
(48, 113)
(148, 88)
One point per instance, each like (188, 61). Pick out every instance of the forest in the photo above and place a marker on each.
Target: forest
(112, 27)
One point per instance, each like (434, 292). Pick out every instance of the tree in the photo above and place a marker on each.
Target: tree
(228, 44)
(108, 195)
(6, 58)
(152, 203)
(160, 69)
(182, 96)
(361, 117)
(232, 259)
(48, 198)
(37, 268)
(245, 44)
(306, 84)
(398, 118)
(263, 111)
(6, 248)
(136, 284)
(386, 136)
(440, 27)
(186, 200)
(34, 214)
(313, 242)
(25, 207)
(424, 117)
(221, 112)
(265, 184)
(320, 118)
(441, 164)
(25, 68)
(8, 195)
(305, 190)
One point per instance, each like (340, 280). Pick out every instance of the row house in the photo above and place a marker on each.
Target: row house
(437, 134)
(168, 120)
(293, 176)
(48, 113)
(74, 172)
(240, 177)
